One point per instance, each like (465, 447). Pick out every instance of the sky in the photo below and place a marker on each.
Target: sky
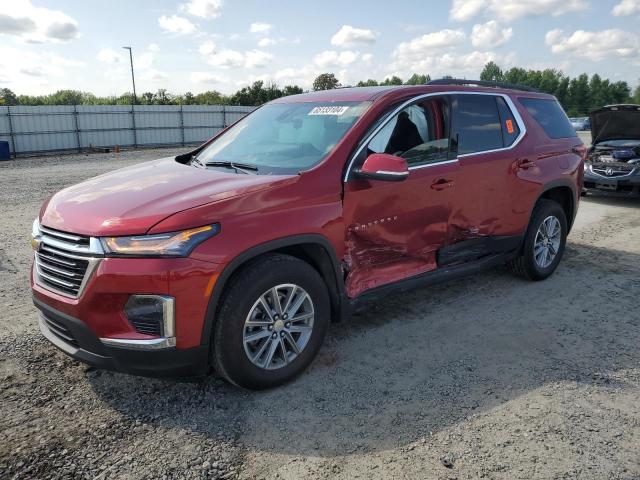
(199, 45)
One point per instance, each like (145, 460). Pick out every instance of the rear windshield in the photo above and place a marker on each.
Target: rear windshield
(550, 116)
(285, 137)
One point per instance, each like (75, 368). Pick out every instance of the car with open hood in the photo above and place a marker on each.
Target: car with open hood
(237, 255)
(613, 162)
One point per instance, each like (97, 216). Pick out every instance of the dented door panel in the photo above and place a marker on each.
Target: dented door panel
(394, 230)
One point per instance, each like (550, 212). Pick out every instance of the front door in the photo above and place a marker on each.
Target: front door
(394, 229)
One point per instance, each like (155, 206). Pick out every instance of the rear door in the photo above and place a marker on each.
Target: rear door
(486, 133)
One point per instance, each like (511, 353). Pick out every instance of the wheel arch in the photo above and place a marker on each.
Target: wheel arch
(312, 248)
(564, 193)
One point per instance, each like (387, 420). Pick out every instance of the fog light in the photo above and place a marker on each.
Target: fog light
(152, 314)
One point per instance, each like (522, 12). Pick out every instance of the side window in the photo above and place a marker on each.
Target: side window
(476, 123)
(550, 116)
(419, 133)
(510, 128)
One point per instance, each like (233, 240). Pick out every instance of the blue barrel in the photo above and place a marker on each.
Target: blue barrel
(5, 154)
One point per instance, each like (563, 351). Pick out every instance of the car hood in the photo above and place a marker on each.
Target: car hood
(131, 200)
(616, 122)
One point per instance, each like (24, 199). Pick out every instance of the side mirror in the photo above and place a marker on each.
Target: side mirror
(385, 167)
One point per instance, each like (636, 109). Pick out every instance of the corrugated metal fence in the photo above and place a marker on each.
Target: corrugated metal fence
(39, 129)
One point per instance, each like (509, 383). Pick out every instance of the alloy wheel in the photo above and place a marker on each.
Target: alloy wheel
(278, 326)
(547, 241)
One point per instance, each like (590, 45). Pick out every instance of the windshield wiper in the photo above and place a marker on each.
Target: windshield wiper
(240, 167)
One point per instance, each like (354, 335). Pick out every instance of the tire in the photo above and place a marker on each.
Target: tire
(528, 264)
(248, 298)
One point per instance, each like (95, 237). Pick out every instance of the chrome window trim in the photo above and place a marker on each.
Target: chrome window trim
(507, 99)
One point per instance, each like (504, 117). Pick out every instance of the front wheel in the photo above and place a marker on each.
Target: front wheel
(544, 242)
(271, 323)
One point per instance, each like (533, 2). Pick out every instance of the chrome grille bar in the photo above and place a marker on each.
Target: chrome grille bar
(64, 262)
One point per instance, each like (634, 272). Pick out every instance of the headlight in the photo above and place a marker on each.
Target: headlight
(174, 244)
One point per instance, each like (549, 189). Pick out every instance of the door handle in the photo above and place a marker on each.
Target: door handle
(441, 184)
(525, 164)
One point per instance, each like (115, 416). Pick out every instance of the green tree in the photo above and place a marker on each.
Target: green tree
(291, 90)
(395, 80)
(578, 103)
(636, 95)
(417, 79)
(367, 83)
(325, 81)
(7, 97)
(211, 97)
(492, 73)
(516, 75)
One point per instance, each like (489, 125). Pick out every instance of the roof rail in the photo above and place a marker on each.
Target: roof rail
(483, 83)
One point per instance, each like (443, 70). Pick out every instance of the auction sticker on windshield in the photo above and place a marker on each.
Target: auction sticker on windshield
(328, 110)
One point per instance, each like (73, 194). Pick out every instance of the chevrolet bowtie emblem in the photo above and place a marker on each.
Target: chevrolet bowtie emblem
(36, 243)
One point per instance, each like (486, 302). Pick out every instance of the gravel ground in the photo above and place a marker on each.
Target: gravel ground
(486, 377)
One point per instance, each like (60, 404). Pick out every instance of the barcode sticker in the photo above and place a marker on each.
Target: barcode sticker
(328, 110)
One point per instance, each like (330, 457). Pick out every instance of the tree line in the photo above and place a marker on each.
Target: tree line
(577, 95)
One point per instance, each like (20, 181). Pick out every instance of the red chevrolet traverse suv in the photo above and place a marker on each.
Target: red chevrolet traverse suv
(238, 254)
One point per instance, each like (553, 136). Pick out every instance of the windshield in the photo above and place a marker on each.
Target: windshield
(284, 137)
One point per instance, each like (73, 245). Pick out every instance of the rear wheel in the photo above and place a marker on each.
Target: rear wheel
(544, 242)
(271, 323)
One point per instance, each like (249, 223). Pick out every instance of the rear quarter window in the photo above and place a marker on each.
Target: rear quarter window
(550, 116)
(510, 127)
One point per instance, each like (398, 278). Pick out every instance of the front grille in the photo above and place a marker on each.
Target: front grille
(612, 169)
(60, 331)
(62, 261)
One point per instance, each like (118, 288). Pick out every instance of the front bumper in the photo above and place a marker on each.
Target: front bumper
(76, 339)
(620, 185)
(100, 332)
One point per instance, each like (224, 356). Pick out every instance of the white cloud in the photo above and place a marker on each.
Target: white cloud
(349, 36)
(38, 72)
(367, 58)
(627, 7)
(490, 35)
(510, 10)
(176, 24)
(266, 42)
(153, 47)
(463, 10)
(234, 59)
(226, 59)
(207, 48)
(259, 27)
(202, 8)
(428, 43)
(257, 59)
(331, 58)
(595, 45)
(37, 24)
(206, 77)
(109, 55)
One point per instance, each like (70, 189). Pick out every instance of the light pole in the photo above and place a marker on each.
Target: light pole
(133, 78)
